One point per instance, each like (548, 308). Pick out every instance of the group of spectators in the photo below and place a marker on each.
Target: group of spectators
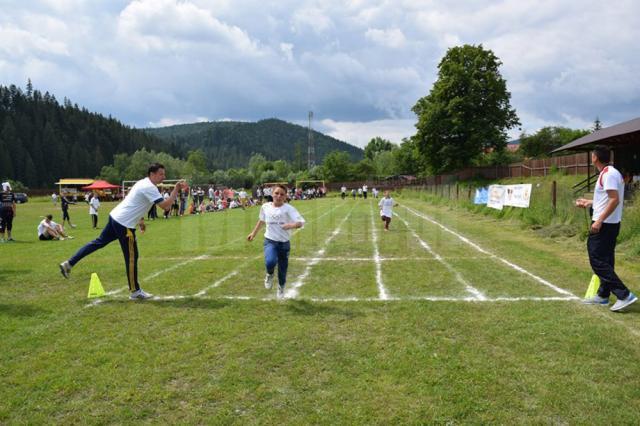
(189, 201)
(198, 201)
(359, 192)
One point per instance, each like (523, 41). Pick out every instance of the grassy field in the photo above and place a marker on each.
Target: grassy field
(450, 317)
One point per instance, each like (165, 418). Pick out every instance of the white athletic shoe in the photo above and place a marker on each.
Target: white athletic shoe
(268, 281)
(621, 304)
(280, 293)
(140, 295)
(65, 269)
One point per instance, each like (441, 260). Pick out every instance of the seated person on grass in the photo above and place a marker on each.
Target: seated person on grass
(49, 230)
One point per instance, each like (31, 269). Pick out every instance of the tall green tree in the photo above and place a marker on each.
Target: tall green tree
(376, 146)
(545, 140)
(336, 166)
(407, 158)
(467, 111)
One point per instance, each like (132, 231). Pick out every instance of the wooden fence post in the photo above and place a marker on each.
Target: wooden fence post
(554, 192)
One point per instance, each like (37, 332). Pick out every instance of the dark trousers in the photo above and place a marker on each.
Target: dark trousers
(277, 252)
(94, 220)
(601, 247)
(65, 216)
(127, 237)
(6, 219)
(386, 220)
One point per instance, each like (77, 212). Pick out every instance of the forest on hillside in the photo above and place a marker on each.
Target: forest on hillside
(42, 140)
(228, 144)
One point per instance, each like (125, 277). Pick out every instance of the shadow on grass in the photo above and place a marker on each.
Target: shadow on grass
(303, 307)
(20, 310)
(190, 303)
(5, 273)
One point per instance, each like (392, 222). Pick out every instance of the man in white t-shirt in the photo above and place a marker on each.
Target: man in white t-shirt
(343, 192)
(123, 220)
(94, 205)
(608, 198)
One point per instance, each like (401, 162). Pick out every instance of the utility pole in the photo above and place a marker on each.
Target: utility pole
(311, 150)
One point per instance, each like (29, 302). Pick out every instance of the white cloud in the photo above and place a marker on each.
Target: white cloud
(172, 121)
(311, 18)
(358, 64)
(360, 133)
(287, 50)
(392, 37)
(162, 24)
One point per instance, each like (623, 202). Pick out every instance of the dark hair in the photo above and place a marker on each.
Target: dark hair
(603, 153)
(154, 167)
(49, 216)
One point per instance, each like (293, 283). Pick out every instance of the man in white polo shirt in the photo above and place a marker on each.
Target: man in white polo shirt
(608, 198)
(123, 220)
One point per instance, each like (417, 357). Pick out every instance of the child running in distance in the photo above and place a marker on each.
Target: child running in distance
(386, 205)
(280, 218)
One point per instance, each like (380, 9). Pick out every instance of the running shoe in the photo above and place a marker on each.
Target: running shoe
(596, 300)
(140, 295)
(621, 304)
(268, 281)
(65, 269)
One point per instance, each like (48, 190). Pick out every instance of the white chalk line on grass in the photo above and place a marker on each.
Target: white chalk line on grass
(494, 256)
(366, 299)
(292, 291)
(193, 259)
(477, 294)
(340, 259)
(382, 291)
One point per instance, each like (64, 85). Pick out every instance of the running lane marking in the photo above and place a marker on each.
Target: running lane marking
(292, 292)
(382, 291)
(191, 260)
(477, 294)
(494, 256)
(366, 299)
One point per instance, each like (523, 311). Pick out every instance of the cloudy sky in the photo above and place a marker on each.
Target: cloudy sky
(358, 65)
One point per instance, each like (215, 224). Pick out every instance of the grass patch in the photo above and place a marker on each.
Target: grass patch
(245, 360)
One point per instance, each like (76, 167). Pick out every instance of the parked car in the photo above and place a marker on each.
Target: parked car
(21, 197)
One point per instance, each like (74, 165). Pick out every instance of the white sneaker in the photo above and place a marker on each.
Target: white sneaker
(65, 269)
(621, 304)
(596, 300)
(280, 293)
(268, 281)
(140, 295)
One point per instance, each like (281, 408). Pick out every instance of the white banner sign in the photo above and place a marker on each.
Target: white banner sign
(518, 195)
(496, 196)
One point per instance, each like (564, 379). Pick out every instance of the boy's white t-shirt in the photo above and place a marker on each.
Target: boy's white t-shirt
(42, 226)
(94, 205)
(387, 207)
(609, 179)
(137, 203)
(275, 217)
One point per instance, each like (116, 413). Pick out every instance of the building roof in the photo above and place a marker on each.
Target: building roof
(620, 134)
(75, 181)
